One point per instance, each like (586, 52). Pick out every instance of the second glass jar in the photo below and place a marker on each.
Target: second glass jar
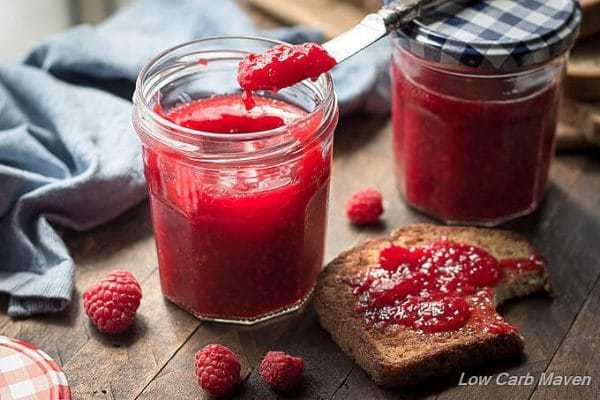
(473, 148)
(476, 89)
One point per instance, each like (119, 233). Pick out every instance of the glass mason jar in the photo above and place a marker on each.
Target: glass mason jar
(239, 218)
(474, 124)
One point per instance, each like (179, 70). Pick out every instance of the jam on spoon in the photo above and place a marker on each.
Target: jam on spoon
(281, 66)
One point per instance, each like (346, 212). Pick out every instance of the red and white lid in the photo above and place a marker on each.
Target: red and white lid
(27, 373)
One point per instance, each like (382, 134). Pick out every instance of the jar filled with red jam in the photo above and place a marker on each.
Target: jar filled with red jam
(476, 88)
(238, 197)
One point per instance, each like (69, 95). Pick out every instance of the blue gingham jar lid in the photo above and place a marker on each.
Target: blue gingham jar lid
(494, 35)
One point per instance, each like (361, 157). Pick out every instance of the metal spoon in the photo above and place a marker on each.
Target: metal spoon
(377, 25)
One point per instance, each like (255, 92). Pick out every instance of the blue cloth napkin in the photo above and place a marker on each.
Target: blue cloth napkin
(69, 157)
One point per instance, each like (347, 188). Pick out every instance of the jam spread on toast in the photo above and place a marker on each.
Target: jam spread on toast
(435, 288)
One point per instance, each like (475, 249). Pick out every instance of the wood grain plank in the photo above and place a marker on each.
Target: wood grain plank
(95, 253)
(162, 329)
(329, 16)
(533, 315)
(330, 374)
(579, 125)
(250, 343)
(566, 174)
(97, 365)
(567, 238)
(326, 367)
(591, 18)
(362, 157)
(337, 377)
(121, 366)
(357, 385)
(579, 354)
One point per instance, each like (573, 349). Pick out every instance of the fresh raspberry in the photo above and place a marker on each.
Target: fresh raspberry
(281, 371)
(217, 369)
(111, 303)
(364, 207)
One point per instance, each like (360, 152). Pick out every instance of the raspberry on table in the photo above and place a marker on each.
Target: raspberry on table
(111, 304)
(217, 369)
(281, 371)
(364, 207)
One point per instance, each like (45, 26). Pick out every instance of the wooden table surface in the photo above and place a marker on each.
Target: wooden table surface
(155, 359)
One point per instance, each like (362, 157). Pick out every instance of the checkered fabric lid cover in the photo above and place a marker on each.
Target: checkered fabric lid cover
(494, 35)
(27, 373)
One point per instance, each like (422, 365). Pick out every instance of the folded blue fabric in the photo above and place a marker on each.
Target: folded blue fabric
(68, 155)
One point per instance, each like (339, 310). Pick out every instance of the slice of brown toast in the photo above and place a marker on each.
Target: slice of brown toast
(406, 356)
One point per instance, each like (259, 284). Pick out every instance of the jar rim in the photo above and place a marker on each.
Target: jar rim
(326, 106)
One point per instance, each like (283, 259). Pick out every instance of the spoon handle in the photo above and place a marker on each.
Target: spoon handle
(400, 12)
(375, 26)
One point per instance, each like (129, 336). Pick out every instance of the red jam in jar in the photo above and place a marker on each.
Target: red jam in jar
(238, 198)
(470, 160)
(436, 288)
(474, 119)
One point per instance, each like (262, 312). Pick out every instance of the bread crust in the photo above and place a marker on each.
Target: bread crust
(406, 356)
